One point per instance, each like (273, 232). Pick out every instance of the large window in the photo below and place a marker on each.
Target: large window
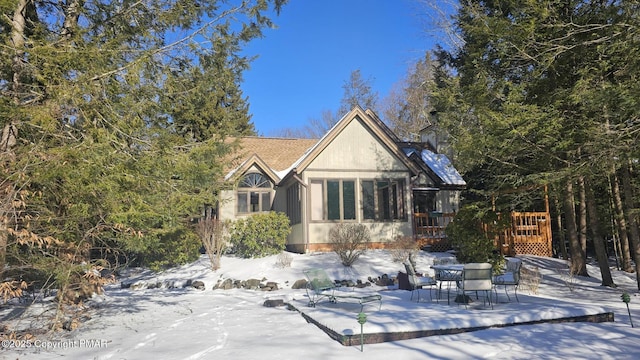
(333, 200)
(254, 194)
(383, 199)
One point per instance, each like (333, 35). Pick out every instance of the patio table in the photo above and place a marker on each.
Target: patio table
(449, 273)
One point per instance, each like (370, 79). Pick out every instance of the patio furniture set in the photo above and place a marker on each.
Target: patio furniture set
(469, 278)
(472, 277)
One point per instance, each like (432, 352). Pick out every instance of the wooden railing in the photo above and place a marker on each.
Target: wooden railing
(530, 233)
(429, 229)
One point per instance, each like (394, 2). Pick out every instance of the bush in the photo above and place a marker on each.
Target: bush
(260, 235)
(175, 247)
(214, 235)
(470, 239)
(403, 248)
(349, 241)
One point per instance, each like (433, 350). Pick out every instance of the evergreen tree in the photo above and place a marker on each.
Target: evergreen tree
(540, 95)
(113, 117)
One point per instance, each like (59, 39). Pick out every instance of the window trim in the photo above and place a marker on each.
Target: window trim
(396, 205)
(396, 210)
(323, 182)
(259, 190)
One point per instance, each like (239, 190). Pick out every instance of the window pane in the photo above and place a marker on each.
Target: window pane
(266, 201)
(255, 201)
(254, 180)
(394, 200)
(317, 201)
(293, 203)
(384, 200)
(349, 200)
(368, 204)
(333, 200)
(400, 199)
(242, 202)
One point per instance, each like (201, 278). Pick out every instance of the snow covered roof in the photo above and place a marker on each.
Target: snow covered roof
(440, 165)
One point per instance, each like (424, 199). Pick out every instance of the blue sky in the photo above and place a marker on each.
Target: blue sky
(303, 64)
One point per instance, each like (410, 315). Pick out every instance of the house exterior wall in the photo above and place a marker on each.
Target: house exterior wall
(356, 148)
(354, 155)
(447, 201)
(227, 205)
(358, 157)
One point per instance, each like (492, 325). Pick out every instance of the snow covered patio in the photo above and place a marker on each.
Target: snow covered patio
(400, 318)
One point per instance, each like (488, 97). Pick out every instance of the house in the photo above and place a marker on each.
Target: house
(359, 172)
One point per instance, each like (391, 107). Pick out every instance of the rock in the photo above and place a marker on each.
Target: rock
(252, 284)
(299, 284)
(226, 284)
(271, 285)
(138, 285)
(71, 325)
(198, 285)
(274, 302)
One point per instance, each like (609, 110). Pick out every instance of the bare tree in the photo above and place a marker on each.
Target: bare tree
(407, 109)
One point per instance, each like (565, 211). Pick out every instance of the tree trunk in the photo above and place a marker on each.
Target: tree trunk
(598, 241)
(578, 265)
(582, 206)
(622, 225)
(632, 217)
(561, 244)
(72, 13)
(10, 132)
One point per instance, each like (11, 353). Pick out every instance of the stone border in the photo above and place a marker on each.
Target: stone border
(376, 338)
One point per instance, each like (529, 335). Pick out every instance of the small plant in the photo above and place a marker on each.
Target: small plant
(569, 279)
(530, 278)
(260, 235)
(402, 248)
(284, 260)
(349, 241)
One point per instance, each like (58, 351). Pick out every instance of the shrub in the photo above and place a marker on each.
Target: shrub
(174, 247)
(214, 235)
(471, 240)
(349, 241)
(284, 260)
(403, 248)
(260, 235)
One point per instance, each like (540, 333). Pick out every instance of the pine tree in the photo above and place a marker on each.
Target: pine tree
(539, 93)
(115, 115)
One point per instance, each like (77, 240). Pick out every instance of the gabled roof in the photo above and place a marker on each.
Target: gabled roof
(274, 156)
(369, 120)
(279, 158)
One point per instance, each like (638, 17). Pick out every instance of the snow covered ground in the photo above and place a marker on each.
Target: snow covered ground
(185, 323)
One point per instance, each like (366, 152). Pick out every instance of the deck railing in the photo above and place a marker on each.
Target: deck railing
(529, 233)
(429, 229)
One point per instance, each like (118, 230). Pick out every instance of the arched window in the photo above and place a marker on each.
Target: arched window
(254, 193)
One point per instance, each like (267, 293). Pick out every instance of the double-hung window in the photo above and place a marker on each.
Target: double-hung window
(254, 194)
